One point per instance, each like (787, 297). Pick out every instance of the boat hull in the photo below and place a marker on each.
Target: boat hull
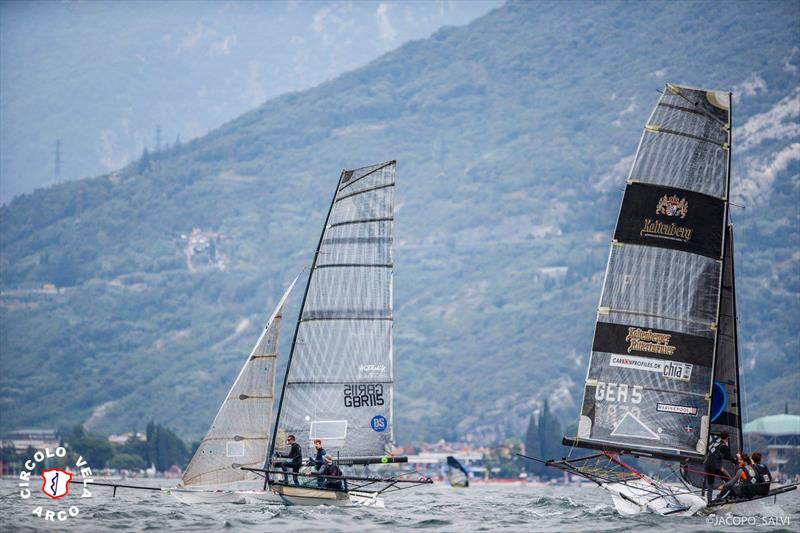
(640, 496)
(293, 495)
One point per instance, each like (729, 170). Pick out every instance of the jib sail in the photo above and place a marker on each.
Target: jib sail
(649, 381)
(725, 414)
(338, 385)
(238, 435)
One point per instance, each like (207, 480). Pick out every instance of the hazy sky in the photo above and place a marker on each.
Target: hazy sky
(100, 76)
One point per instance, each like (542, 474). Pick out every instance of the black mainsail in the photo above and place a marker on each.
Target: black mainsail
(650, 376)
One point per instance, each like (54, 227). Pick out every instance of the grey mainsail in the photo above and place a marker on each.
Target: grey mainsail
(339, 379)
(649, 382)
(239, 433)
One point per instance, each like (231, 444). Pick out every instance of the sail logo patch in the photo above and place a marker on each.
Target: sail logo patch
(363, 395)
(55, 483)
(677, 409)
(672, 206)
(656, 228)
(378, 423)
(668, 369)
(649, 341)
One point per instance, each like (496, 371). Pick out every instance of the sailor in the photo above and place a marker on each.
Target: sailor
(294, 459)
(718, 450)
(331, 469)
(739, 485)
(762, 478)
(317, 461)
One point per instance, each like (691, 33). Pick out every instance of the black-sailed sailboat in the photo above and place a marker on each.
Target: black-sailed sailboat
(663, 376)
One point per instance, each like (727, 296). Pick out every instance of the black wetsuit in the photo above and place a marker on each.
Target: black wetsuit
(717, 452)
(332, 470)
(761, 480)
(294, 462)
(319, 464)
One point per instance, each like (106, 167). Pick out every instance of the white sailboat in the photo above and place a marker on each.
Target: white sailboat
(339, 382)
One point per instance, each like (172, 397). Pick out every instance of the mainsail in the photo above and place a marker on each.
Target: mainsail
(659, 329)
(457, 473)
(339, 379)
(238, 435)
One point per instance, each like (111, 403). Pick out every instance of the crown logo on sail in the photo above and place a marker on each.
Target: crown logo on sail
(672, 206)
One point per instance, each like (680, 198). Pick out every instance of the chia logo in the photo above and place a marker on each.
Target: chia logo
(55, 484)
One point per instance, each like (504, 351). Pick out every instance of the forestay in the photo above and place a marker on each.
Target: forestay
(338, 384)
(650, 373)
(239, 434)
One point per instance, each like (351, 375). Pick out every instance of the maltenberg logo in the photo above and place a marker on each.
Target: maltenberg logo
(55, 484)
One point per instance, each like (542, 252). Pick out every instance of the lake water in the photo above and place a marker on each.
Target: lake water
(431, 508)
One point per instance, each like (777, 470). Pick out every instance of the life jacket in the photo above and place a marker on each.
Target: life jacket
(761, 480)
(747, 481)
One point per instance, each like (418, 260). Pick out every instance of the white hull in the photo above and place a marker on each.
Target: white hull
(291, 495)
(281, 496)
(641, 496)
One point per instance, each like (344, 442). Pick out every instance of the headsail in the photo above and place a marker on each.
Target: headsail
(725, 412)
(650, 373)
(339, 379)
(238, 435)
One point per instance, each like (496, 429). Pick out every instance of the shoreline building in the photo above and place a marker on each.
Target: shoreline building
(782, 433)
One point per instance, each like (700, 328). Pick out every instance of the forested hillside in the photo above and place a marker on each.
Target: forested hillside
(513, 137)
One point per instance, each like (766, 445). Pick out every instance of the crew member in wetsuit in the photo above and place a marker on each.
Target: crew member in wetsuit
(318, 461)
(294, 459)
(331, 469)
(739, 485)
(763, 477)
(718, 450)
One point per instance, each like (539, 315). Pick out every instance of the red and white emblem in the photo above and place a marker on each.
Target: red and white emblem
(672, 206)
(55, 483)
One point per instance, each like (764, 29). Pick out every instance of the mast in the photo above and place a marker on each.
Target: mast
(271, 453)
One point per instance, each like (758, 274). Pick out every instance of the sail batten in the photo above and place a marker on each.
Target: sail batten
(653, 356)
(339, 381)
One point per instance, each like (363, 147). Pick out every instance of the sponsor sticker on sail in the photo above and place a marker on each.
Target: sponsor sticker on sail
(677, 409)
(668, 369)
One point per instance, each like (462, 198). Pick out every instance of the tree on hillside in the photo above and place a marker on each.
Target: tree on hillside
(549, 438)
(164, 448)
(532, 446)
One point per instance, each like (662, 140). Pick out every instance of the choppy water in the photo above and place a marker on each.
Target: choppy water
(432, 508)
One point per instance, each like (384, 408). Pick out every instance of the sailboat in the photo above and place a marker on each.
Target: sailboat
(239, 434)
(339, 381)
(663, 374)
(457, 473)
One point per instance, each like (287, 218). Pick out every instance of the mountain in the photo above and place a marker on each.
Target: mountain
(108, 79)
(513, 137)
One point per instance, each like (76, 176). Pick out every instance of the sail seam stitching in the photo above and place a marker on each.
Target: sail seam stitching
(346, 196)
(362, 221)
(659, 129)
(390, 163)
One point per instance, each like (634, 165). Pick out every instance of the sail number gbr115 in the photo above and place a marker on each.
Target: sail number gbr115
(363, 395)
